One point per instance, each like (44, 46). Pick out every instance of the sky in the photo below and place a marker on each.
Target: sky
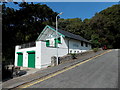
(64, 0)
(75, 9)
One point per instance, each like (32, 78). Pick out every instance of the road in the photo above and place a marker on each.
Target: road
(101, 72)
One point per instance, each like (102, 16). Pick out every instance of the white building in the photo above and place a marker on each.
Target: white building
(38, 54)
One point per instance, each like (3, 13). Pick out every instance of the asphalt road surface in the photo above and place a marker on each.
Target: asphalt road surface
(101, 72)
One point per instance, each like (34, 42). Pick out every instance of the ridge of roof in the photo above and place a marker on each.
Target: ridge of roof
(71, 35)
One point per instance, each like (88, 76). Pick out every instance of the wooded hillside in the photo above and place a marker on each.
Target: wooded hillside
(24, 25)
(102, 29)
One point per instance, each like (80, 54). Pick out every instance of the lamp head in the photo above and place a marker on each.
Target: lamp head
(60, 13)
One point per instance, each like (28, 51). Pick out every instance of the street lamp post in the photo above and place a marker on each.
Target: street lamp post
(57, 37)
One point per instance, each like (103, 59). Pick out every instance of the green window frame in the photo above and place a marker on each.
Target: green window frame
(59, 40)
(47, 43)
(56, 43)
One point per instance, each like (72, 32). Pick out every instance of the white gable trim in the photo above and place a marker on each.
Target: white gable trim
(47, 26)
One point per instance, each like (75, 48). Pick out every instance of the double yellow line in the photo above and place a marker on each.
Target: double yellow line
(59, 72)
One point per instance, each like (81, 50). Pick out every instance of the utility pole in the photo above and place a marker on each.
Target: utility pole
(57, 37)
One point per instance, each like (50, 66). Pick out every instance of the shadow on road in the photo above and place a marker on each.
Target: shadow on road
(8, 74)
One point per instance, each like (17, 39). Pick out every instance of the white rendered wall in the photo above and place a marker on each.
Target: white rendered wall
(48, 52)
(38, 55)
(25, 55)
(48, 34)
(16, 55)
(75, 45)
(43, 54)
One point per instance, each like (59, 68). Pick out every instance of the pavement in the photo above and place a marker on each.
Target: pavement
(44, 72)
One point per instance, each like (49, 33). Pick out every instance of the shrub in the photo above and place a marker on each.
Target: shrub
(95, 49)
(73, 55)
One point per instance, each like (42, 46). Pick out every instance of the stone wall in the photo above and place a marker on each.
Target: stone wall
(73, 56)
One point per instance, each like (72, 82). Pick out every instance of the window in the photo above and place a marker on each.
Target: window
(59, 40)
(47, 43)
(74, 51)
(81, 43)
(86, 44)
(75, 45)
(56, 44)
(77, 51)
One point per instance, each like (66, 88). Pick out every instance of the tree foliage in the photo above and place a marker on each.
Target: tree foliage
(102, 29)
(71, 25)
(24, 25)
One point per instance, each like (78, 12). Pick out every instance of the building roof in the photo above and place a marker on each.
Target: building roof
(64, 34)
(71, 35)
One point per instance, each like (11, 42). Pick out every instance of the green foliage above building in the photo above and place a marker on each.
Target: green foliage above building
(102, 29)
(24, 25)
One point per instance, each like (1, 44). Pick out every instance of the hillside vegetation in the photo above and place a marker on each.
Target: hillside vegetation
(24, 25)
(102, 29)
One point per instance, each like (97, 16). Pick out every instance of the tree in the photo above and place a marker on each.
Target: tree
(24, 25)
(71, 25)
(103, 27)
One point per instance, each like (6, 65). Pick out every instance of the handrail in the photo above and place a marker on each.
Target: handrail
(27, 45)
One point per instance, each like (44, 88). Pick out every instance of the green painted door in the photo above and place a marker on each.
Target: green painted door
(31, 60)
(20, 59)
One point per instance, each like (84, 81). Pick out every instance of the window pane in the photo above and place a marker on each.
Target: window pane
(47, 43)
(86, 44)
(59, 40)
(81, 43)
(55, 42)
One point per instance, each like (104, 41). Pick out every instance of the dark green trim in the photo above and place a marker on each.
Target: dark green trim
(56, 42)
(59, 40)
(47, 43)
(30, 51)
(19, 53)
